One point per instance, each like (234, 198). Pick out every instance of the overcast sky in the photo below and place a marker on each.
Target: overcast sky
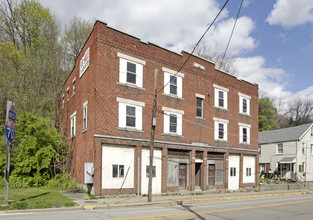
(272, 43)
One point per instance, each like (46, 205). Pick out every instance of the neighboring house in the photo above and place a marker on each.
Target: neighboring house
(206, 122)
(288, 152)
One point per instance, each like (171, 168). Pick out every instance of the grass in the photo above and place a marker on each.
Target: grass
(34, 198)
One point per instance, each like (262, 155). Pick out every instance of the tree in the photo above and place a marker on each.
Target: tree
(268, 118)
(74, 38)
(225, 64)
(299, 112)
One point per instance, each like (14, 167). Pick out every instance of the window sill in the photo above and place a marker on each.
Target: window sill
(200, 118)
(219, 140)
(243, 143)
(172, 135)
(173, 96)
(221, 108)
(67, 101)
(244, 114)
(71, 138)
(85, 130)
(131, 85)
(130, 129)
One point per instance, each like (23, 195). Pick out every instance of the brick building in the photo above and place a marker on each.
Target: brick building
(206, 122)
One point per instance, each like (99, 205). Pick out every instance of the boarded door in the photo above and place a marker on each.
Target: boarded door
(211, 175)
(198, 174)
(182, 175)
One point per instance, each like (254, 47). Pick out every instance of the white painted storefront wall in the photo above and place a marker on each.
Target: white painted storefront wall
(233, 181)
(117, 156)
(156, 181)
(248, 162)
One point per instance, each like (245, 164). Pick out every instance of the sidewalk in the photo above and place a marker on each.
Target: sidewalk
(109, 202)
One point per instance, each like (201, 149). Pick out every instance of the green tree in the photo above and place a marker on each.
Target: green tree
(268, 118)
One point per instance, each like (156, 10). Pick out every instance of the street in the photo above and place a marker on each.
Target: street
(281, 207)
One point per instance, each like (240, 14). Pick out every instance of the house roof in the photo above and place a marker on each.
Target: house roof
(288, 160)
(283, 134)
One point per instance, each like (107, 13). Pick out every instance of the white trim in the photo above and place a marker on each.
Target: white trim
(131, 102)
(244, 125)
(198, 65)
(74, 79)
(244, 96)
(173, 72)
(200, 96)
(72, 115)
(220, 87)
(220, 120)
(311, 126)
(68, 89)
(136, 60)
(85, 103)
(176, 111)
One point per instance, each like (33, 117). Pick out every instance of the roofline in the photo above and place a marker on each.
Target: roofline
(306, 131)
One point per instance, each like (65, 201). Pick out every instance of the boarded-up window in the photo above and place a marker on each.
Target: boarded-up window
(219, 172)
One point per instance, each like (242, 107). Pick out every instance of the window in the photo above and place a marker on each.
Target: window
(303, 148)
(130, 113)
(244, 104)
(153, 171)
(85, 116)
(244, 133)
(280, 149)
(117, 171)
(260, 150)
(220, 99)
(131, 70)
(73, 125)
(220, 129)
(301, 167)
(130, 116)
(172, 121)
(63, 101)
(248, 171)
(233, 171)
(173, 84)
(74, 80)
(311, 132)
(199, 107)
(311, 149)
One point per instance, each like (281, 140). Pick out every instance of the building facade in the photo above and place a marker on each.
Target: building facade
(206, 134)
(288, 152)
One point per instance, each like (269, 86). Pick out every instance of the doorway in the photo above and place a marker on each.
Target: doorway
(211, 175)
(198, 174)
(183, 175)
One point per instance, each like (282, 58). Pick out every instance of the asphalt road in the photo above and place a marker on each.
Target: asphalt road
(282, 207)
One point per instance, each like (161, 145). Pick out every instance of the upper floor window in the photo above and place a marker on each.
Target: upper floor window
(74, 82)
(244, 133)
(311, 132)
(63, 102)
(85, 116)
(279, 149)
(220, 96)
(73, 125)
(311, 149)
(130, 113)
(260, 150)
(131, 70)
(173, 83)
(303, 148)
(199, 107)
(172, 121)
(244, 104)
(220, 129)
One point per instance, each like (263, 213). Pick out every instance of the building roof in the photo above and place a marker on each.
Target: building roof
(288, 160)
(283, 134)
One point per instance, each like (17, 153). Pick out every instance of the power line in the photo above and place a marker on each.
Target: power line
(196, 44)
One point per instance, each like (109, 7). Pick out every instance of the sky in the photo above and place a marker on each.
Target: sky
(272, 44)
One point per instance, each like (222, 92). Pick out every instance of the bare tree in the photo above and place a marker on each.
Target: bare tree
(299, 112)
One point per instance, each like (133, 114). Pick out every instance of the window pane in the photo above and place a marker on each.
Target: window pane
(131, 72)
(199, 107)
(131, 67)
(199, 112)
(173, 123)
(221, 131)
(173, 80)
(221, 98)
(130, 116)
(244, 105)
(130, 121)
(121, 170)
(115, 171)
(173, 89)
(130, 110)
(244, 135)
(131, 78)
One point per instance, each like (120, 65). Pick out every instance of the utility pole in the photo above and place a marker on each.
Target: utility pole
(9, 136)
(153, 124)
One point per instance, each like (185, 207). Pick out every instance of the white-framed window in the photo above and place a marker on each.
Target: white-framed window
(233, 171)
(220, 96)
(301, 167)
(73, 125)
(248, 171)
(117, 171)
(85, 116)
(244, 104)
(172, 121)
(130, 113)
(279, 148)
(303, 148)
(173, 82)
(244, 133)
(63, 102)
(74, 88)
(220, 129)
(131, 70)
(199, 107)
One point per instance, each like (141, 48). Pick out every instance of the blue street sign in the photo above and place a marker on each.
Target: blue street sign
(10, 133)
(12, 115)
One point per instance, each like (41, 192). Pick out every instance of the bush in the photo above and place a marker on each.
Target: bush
(63, 182)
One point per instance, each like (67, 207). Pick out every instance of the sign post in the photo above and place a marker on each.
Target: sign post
(9, 137)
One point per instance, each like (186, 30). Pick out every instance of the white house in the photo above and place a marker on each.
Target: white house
(288, 152)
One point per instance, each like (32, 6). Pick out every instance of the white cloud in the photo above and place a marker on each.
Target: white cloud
(291, 13)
